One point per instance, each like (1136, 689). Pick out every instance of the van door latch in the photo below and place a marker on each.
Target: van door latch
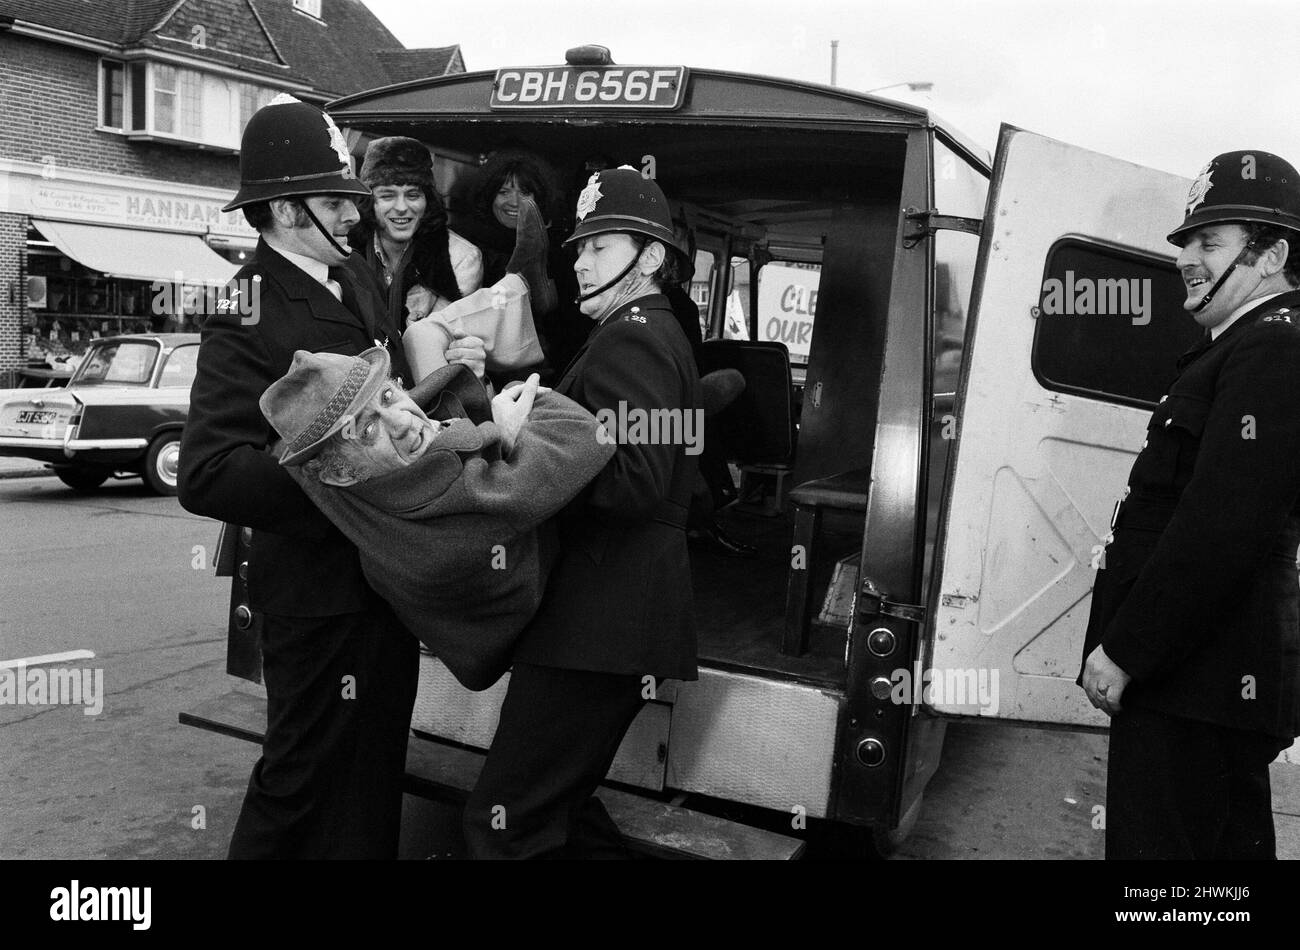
(872, 601)
(919, 225)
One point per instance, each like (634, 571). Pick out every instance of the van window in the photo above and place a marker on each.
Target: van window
(1110, 323)
(701, 289)
(735, 323)
(787, 305)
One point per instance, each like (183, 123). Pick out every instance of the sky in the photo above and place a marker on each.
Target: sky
(1155, 82)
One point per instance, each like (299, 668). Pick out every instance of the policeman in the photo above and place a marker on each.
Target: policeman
(617, 613)
(1193, 643)
(340, 670)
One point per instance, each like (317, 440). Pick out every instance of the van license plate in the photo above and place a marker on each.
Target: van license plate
(589, 87)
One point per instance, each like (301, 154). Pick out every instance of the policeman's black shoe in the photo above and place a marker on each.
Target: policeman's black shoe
(713, 538)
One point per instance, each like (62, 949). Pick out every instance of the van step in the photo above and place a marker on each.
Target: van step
(435, 770)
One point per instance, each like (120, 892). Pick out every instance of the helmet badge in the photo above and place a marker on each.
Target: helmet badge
(339, 144)
(590, 195)
(1200, 188)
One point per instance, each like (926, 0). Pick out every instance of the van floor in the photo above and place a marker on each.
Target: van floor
(740, 602)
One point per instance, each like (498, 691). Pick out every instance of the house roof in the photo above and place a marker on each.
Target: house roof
(347, 50)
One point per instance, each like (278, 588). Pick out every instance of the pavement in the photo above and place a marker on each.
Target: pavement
(22, 468)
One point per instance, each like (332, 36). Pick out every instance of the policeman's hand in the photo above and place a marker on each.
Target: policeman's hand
(419, 303)
(468, 350)
(1104, 682)
(510, 410)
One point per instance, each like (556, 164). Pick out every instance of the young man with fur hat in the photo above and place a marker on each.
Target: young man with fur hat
(433, 275)
(403, 233)
(444, 513)
(1193, 643)
(329, 782)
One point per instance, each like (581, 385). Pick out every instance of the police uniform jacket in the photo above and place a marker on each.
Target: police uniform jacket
(1197, 598)
(619, 597)
(299, 564)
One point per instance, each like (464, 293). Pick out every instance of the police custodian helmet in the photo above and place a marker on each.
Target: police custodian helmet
(292, 149)
(1249, 185)
(622, 200)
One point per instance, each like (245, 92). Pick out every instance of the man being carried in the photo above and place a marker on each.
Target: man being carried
(443, 510)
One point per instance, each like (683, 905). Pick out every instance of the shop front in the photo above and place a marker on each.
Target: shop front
(107, 254)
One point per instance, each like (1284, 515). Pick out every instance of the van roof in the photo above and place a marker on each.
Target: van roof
(712, 95)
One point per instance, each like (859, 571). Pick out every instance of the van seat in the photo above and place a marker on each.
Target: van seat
(757, 430)
(843, 491)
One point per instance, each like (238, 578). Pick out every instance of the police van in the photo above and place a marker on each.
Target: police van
(948, 363)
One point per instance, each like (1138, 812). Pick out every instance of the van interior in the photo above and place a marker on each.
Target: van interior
(813, 210)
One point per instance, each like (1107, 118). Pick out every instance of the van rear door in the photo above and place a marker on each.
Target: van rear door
(1076, 324)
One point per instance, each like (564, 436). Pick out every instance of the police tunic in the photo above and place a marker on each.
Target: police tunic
(619, 598)
(1197, 597)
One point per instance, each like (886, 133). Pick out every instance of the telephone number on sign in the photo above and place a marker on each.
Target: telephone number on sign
(645, 87)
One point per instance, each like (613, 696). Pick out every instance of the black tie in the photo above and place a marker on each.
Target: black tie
(339, 274)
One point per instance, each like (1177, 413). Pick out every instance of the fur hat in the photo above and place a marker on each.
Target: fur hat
(397, 160)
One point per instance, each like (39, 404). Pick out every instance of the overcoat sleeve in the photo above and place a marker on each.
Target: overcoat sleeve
(225, 471)
(1245, 482)
(558, 450)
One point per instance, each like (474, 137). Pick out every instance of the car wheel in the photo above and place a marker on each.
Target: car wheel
(161, 462)
(82, 479)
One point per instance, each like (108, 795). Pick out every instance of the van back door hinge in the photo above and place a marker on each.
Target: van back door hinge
(873, 602)
(920, 225)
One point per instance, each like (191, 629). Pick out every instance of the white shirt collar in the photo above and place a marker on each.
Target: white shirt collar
(315, 269)
(1240, 312)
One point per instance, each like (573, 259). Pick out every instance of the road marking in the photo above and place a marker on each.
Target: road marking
(47, 659)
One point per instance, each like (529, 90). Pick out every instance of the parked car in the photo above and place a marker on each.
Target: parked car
(122, 411)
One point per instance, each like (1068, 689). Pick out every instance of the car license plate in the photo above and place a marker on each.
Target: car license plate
(594, 87)
(36, 417)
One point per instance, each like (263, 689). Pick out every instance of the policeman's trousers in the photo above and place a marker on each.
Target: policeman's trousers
(1181, 789)
(339, 696)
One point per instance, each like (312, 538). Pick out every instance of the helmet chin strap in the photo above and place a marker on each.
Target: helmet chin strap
(1209, 296)
(623, 273)
(345, 251)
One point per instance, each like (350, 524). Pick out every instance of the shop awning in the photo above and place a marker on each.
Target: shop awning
(139, 255)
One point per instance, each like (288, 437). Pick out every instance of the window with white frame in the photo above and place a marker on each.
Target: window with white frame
(154, 100)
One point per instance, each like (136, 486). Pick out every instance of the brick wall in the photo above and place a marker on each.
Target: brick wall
(49, 107)
(13, 247)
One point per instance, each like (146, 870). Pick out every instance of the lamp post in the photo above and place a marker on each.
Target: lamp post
(923, 85)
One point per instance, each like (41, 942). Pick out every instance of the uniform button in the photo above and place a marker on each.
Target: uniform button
(1144, 443)
(1127, 490)
(1169, 422)
(1163, 398)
